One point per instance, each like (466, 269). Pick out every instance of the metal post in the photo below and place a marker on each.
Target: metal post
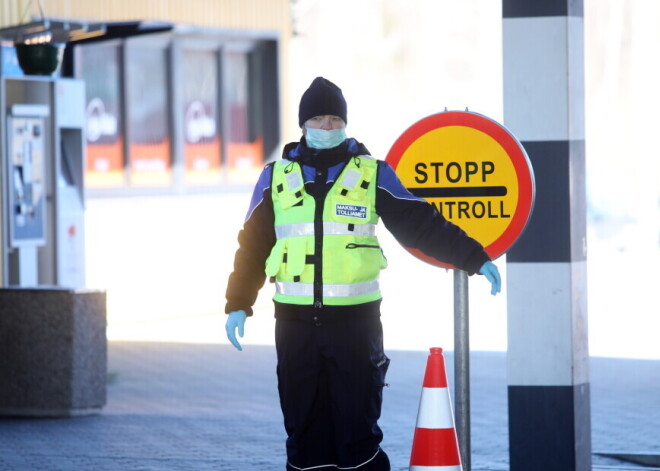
(462, 365)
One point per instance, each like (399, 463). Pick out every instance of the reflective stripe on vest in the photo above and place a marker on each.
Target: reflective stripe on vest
(288, 288)
(329, 228)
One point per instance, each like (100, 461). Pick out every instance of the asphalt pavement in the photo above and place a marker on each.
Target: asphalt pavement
(179, 407)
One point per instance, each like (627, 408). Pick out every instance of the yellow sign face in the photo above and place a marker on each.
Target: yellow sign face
(467, 176)
(473, 171)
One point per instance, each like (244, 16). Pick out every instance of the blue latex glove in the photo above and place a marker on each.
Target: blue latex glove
(492, 274)
(236, 319)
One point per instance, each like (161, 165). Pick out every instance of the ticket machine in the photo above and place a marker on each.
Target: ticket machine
(42, 191)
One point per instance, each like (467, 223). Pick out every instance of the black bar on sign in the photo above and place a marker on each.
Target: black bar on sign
(458, 192)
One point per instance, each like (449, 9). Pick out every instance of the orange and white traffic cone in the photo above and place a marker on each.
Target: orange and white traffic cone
(435, 444)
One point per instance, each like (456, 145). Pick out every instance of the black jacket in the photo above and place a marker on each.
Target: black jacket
(413, 222)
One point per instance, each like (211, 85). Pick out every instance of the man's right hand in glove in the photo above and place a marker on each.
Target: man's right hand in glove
(236, 319)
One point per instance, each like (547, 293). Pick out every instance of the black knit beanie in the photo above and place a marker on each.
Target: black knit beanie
(321, 98)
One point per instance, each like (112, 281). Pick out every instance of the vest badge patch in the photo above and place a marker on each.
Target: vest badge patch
(351, 211)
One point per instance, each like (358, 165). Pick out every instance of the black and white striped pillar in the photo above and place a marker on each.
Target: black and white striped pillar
(548, 357)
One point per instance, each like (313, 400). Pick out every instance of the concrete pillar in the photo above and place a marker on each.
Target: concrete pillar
(548, 358)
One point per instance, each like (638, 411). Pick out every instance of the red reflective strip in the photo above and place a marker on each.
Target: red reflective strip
(435, 447)
(435, 376)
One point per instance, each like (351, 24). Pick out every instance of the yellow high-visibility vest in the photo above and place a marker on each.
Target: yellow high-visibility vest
(344, 234)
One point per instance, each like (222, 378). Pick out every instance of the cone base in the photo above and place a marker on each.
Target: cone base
(435, 447)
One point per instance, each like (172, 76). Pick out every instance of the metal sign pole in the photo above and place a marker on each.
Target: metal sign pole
(462, 365)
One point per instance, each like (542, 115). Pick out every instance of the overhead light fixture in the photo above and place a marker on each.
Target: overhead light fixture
(40, 44)
(51, 30)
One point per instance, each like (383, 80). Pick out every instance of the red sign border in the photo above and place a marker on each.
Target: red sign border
(512, 147)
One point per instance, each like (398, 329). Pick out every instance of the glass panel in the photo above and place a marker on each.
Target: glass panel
(202, 154)
(244, 152)
(100, 66)
(148, 116)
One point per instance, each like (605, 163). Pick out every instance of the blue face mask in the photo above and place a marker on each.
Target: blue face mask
(322, 139)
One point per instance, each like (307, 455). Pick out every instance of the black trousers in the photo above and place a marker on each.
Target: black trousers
(330, 380)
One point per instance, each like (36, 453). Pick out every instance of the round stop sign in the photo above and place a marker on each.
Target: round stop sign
(473, 171)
